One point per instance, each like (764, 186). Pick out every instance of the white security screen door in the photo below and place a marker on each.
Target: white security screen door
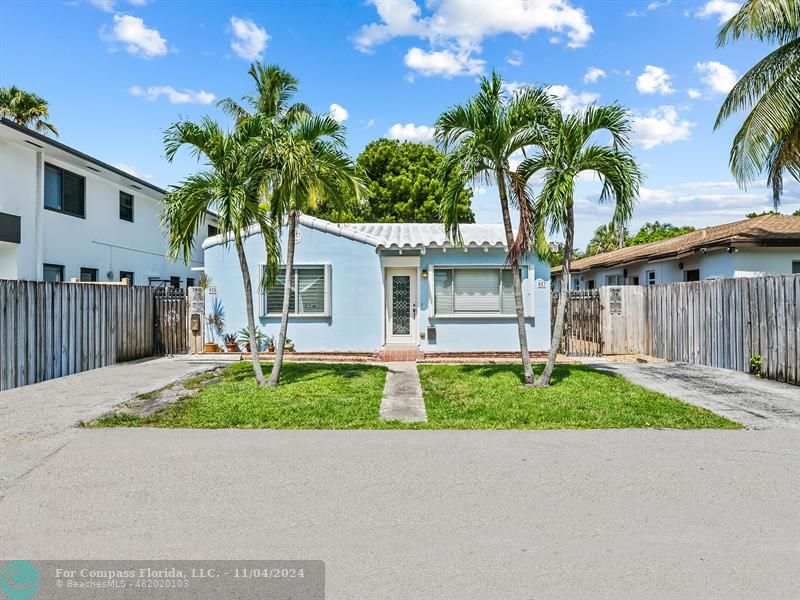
(401, 306)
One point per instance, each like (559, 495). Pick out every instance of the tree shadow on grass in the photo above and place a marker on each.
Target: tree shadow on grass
(561, 373)
(304, 372)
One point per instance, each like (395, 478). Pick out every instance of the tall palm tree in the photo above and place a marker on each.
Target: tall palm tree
(566, 152)
(26, 109)
(234, 186)
(270, 104)
(310, 165)
(769, 138)
(481, 138)
(606, 238)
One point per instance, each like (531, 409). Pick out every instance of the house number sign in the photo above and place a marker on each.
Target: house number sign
(615, 301)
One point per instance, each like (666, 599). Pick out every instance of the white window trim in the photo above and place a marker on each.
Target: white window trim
(456, 316)
(326, 294)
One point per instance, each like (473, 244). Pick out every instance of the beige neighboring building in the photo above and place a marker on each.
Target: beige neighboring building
(767, 245)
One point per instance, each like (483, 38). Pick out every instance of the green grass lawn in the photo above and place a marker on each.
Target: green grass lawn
(348, 396)
(492, 397)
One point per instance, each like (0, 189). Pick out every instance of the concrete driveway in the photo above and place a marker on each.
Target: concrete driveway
(756, 403)
(434, 514)
(36, 420)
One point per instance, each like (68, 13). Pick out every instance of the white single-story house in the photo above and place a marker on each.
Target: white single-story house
(65, 215)
(371, 287)
(766, 245)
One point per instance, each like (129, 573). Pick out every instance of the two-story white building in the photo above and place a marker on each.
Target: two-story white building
(766, 245)
(64, 215)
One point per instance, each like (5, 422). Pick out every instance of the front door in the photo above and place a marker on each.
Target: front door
(401, 306)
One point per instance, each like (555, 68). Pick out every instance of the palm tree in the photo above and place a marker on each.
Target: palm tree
(235, 186)
(480, 139)
(566, 152)
(310, 165)
(769, 138)
(607, 238)
(26, 109)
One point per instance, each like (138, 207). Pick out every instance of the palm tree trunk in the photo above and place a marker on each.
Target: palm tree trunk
(251, 322)
(275, 376)
(558, 328)
(515, 273)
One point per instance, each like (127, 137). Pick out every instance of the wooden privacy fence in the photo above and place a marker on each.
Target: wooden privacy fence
(170, 327)
(723, 323)
(582, 331)
(49, 330)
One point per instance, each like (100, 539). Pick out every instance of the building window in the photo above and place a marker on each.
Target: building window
(615, 280)
(796, 266)
(52, 273)
(692, 275)
(213, 230)
(590, 284)
(126, 275)
(126, 206)
(309, 295)
(635, 280)
(473, 291)
(576, 285)
(175, 282)
(154, 281)
(651, 278)
(88, 274)
(189, 282)
(64, 191)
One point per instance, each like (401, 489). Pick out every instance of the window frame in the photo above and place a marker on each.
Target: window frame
(94, 272)
(796, 267)
(132, 207)
(266, 313)
(53, 266)
(617, 277)
(61, 210)
(209, 228)
(174, 281)
(190, 282)
(436, 314)
(131, 279)
(650, 277)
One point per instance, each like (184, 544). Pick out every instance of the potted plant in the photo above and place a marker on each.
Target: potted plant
(270, 343)
(231, 342)
(288, 345)
(215, 325)
(260, 339)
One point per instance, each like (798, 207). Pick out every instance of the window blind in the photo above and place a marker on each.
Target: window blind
(473, 291)
(307, 295)
(52, 188)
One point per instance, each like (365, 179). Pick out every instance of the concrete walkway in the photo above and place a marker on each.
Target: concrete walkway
(402, 394)
(478, 515)
(38, 420)
(756, 403)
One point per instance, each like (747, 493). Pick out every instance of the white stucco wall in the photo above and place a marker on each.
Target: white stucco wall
(99, 241)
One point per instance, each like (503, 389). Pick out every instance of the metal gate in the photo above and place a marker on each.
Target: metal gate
(582, 330)
(170, 330)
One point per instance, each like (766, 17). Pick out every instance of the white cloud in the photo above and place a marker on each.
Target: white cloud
(455, 29)
(571, 101)
(249, 40)
(443, 62)
(411, 133)
(723, 9)
(174, 96)
(139, 2)
(339, 113)
(654, 80)
(660, 126)
(138, 39)
(593, 74)
(109, 5)
(693, 93)
(649, 8)
(515, 59)
(130, 170)
(718, 77)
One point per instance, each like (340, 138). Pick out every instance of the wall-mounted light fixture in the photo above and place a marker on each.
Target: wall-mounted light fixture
(424, 273)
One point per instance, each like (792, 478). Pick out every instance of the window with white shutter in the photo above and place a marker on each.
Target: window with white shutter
(473, 291)
(309, 295)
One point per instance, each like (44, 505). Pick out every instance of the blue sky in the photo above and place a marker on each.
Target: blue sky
(118, 72)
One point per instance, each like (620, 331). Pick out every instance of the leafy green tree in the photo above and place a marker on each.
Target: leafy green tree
(26, 109)
(769, 138)
(479, 138)
(403, 186)
(655, 231)
(567, 151)
(234, 186)
(606, 238)
(753, 215)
